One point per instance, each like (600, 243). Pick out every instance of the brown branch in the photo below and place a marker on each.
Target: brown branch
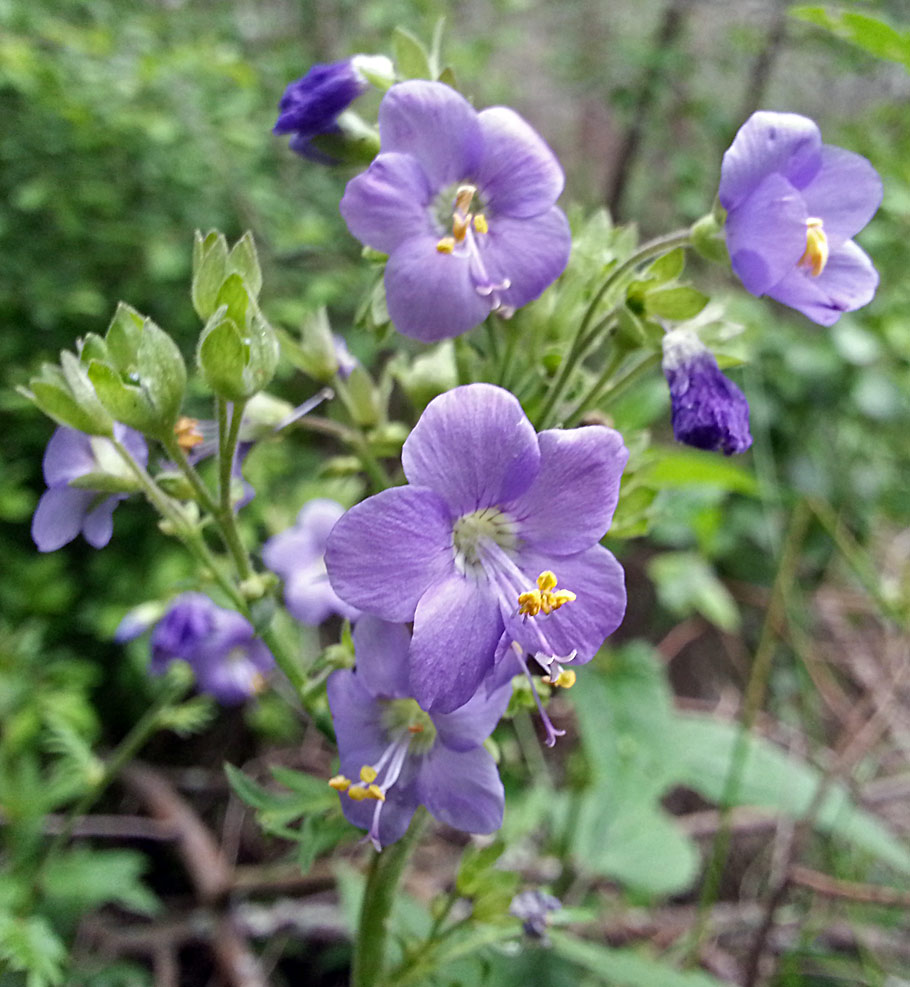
(833, 887)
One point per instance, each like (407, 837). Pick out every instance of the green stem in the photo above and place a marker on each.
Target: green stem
(203, 494)
(605, 387)
(228, 436)
(354, 436)
(122, 755)
(494, 355)
(653, 248)
(386, 870)
(752, 702)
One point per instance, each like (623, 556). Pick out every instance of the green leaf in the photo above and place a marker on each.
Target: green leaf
(476, 864)
(81, 880)
(252, 792)
(771, 778)
(686, 583)
(678, 303)
(869, 33)
(669, 266)
(620, 829)
(626, 967)
(411, 57)
(50, 390)
(668, 468)
(30, 946)
(314, 794)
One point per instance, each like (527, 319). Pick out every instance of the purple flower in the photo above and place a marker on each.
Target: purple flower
(298, 556)
(221, 647)
(464, 205)
(401, 756)
(793, 205)
(311, 105)
(86, 479)
(708, 410)
(494, 518)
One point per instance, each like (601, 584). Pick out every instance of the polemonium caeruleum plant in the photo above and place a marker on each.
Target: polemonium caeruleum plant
(491, 549)
(793, 205)
(464, 204)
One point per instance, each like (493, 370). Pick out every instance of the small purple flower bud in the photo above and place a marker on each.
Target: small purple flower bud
(533, 908)
(312, 104)
(221, 647)
(708, 410)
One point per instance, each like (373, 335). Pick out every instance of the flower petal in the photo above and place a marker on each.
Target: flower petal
(385, 552)
(381, 650)
(435, 124)
(68, 455)
(297, 547)
(98, 525)
(310, 598)
(845, 193)
(431, 295)
(357, 718)
(456, 629)
(471, 724)
(848, 282)
(570, 505)
(766, 234)
(462, 789)
(388, 203)
(769, 143)
(597, 580)
(518, 174)
(531, 253)
(474, 446)
(58, 517)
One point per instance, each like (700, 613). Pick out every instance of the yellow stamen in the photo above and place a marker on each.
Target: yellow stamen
(565, 679)
(340, 783)
(358, 793)
(367, 774)
(375, 792)
(543, 598)
(258, 683)
(816, 254)
(480, 223)
(187, 432)
(415, 728)
(446, 245)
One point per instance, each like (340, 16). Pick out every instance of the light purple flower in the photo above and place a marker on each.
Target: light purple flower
(793, 205)
(65, 509)
(491, 512)
(298, 556)
(311, 105)
(708, 410)
(394, 756)
(464, 205)
(533, 907)
(230, 663)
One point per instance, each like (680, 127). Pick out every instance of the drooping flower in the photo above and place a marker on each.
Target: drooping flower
(298, 556)
(708, 410)
(394, 756)
(311, 105)
(86, 479)
(230, 663)
(793, 205)
(495, 517)
(464, 205)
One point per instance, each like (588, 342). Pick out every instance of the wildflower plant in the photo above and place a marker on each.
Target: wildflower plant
(473, 570)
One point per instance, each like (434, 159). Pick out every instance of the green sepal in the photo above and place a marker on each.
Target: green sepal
(314, 353)
(151, 398)
(65, 394)
(93, 347)
(121, 339)
(363, 400)
(210, 267)
(411, 57)
(244, 260)
(679, 303)
(708, 238)
(668, 266)
(106, 483)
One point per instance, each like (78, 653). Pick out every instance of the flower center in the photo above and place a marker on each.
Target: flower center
(471, 530)
(463, 243)
(816, 254)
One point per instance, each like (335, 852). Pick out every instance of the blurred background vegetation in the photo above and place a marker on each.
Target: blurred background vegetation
(125, 126)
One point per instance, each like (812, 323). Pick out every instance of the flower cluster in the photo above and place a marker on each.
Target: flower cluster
(793, 204)
(230, 663)
(494, 518)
